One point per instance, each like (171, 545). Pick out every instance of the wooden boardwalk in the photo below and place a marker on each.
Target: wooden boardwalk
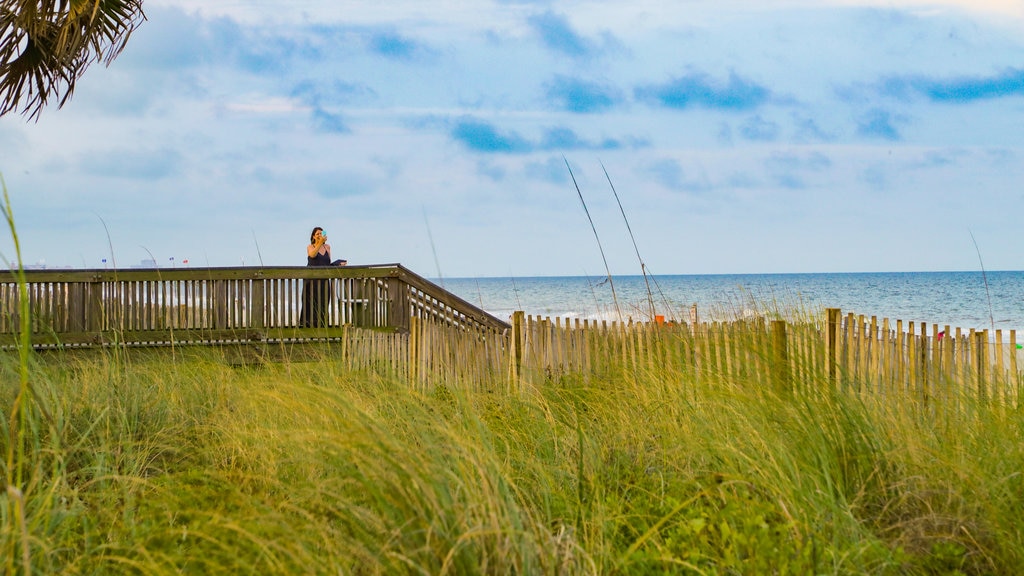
(150, 307)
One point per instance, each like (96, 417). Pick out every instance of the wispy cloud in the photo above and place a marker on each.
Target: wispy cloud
(670, 174)
(758, 129)
(323, 97)
(341, 183)
(959, 89)
(329, 122)
(561, 138)
(577, 95)
(552, 170)
(788, 169)
(698, 90)
(153, 164)
(558, 35)
(326, 91)
(808, 130)
(391, 44)
(481, 136)
(878, 123)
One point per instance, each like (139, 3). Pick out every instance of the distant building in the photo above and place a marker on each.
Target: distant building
(40, 266)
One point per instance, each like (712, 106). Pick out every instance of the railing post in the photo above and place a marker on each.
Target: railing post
(832, 344)
(398, 304)
(780, 358)
(77, 307)
(258, 309)
(94, 299)
(220, 304)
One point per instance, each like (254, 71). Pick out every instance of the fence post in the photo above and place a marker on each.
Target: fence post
(414, 350)
(832, 344)
(1013, 368)
(980, 360)
(780, 359)
(999, 370)
(516, 353)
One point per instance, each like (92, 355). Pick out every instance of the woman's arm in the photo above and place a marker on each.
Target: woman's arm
(312, 249)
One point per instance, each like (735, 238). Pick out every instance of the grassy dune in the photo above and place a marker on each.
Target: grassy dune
(144, 463)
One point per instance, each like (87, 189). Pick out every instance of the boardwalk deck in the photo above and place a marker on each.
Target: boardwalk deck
(145, 307)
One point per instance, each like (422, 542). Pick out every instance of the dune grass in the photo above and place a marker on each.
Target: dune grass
(137, 463)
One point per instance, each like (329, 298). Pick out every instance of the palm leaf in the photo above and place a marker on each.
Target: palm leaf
(45, 47)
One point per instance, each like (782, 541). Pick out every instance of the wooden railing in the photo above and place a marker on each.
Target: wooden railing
(217, 305)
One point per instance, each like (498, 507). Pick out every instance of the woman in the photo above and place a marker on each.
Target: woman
(316, 294)
(318, 253)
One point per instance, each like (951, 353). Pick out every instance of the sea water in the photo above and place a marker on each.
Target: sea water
(980, 300)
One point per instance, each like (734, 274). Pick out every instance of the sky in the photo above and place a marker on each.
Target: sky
(704, 136)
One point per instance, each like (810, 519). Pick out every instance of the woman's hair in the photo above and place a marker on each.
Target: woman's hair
(313, 233)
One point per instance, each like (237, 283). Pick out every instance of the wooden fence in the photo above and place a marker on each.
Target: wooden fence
(851, 353)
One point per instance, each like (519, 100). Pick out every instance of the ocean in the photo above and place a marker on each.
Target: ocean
(989, 300)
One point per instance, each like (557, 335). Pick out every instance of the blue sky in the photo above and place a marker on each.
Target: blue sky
(741, 136)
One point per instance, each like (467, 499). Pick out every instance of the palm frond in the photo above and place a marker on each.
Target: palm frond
(45, 47)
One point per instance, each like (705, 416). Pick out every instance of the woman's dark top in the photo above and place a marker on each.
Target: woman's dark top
(319, 260)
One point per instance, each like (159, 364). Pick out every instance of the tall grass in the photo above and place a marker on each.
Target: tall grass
(300, 468)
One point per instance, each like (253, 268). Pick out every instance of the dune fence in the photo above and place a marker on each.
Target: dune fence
(835, 352)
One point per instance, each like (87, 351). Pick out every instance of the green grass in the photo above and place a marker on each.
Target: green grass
(136, 463)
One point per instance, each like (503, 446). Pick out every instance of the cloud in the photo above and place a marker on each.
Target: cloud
(558, 36)
(480, 136)
(392, 45)
(322, 96)
(552, 170)
(697, 90)
(788, 169)
(957, 90)
(758, 129)
(581, 96)
(12, 143)
(875, 177)
(808, 130)
(169, 39)
(878, 123)
(315, 92)
(565, 139)
(483, 137)
(157, 164)
(329, 122)
(669, 173)
(341, 184)
(491, 171)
